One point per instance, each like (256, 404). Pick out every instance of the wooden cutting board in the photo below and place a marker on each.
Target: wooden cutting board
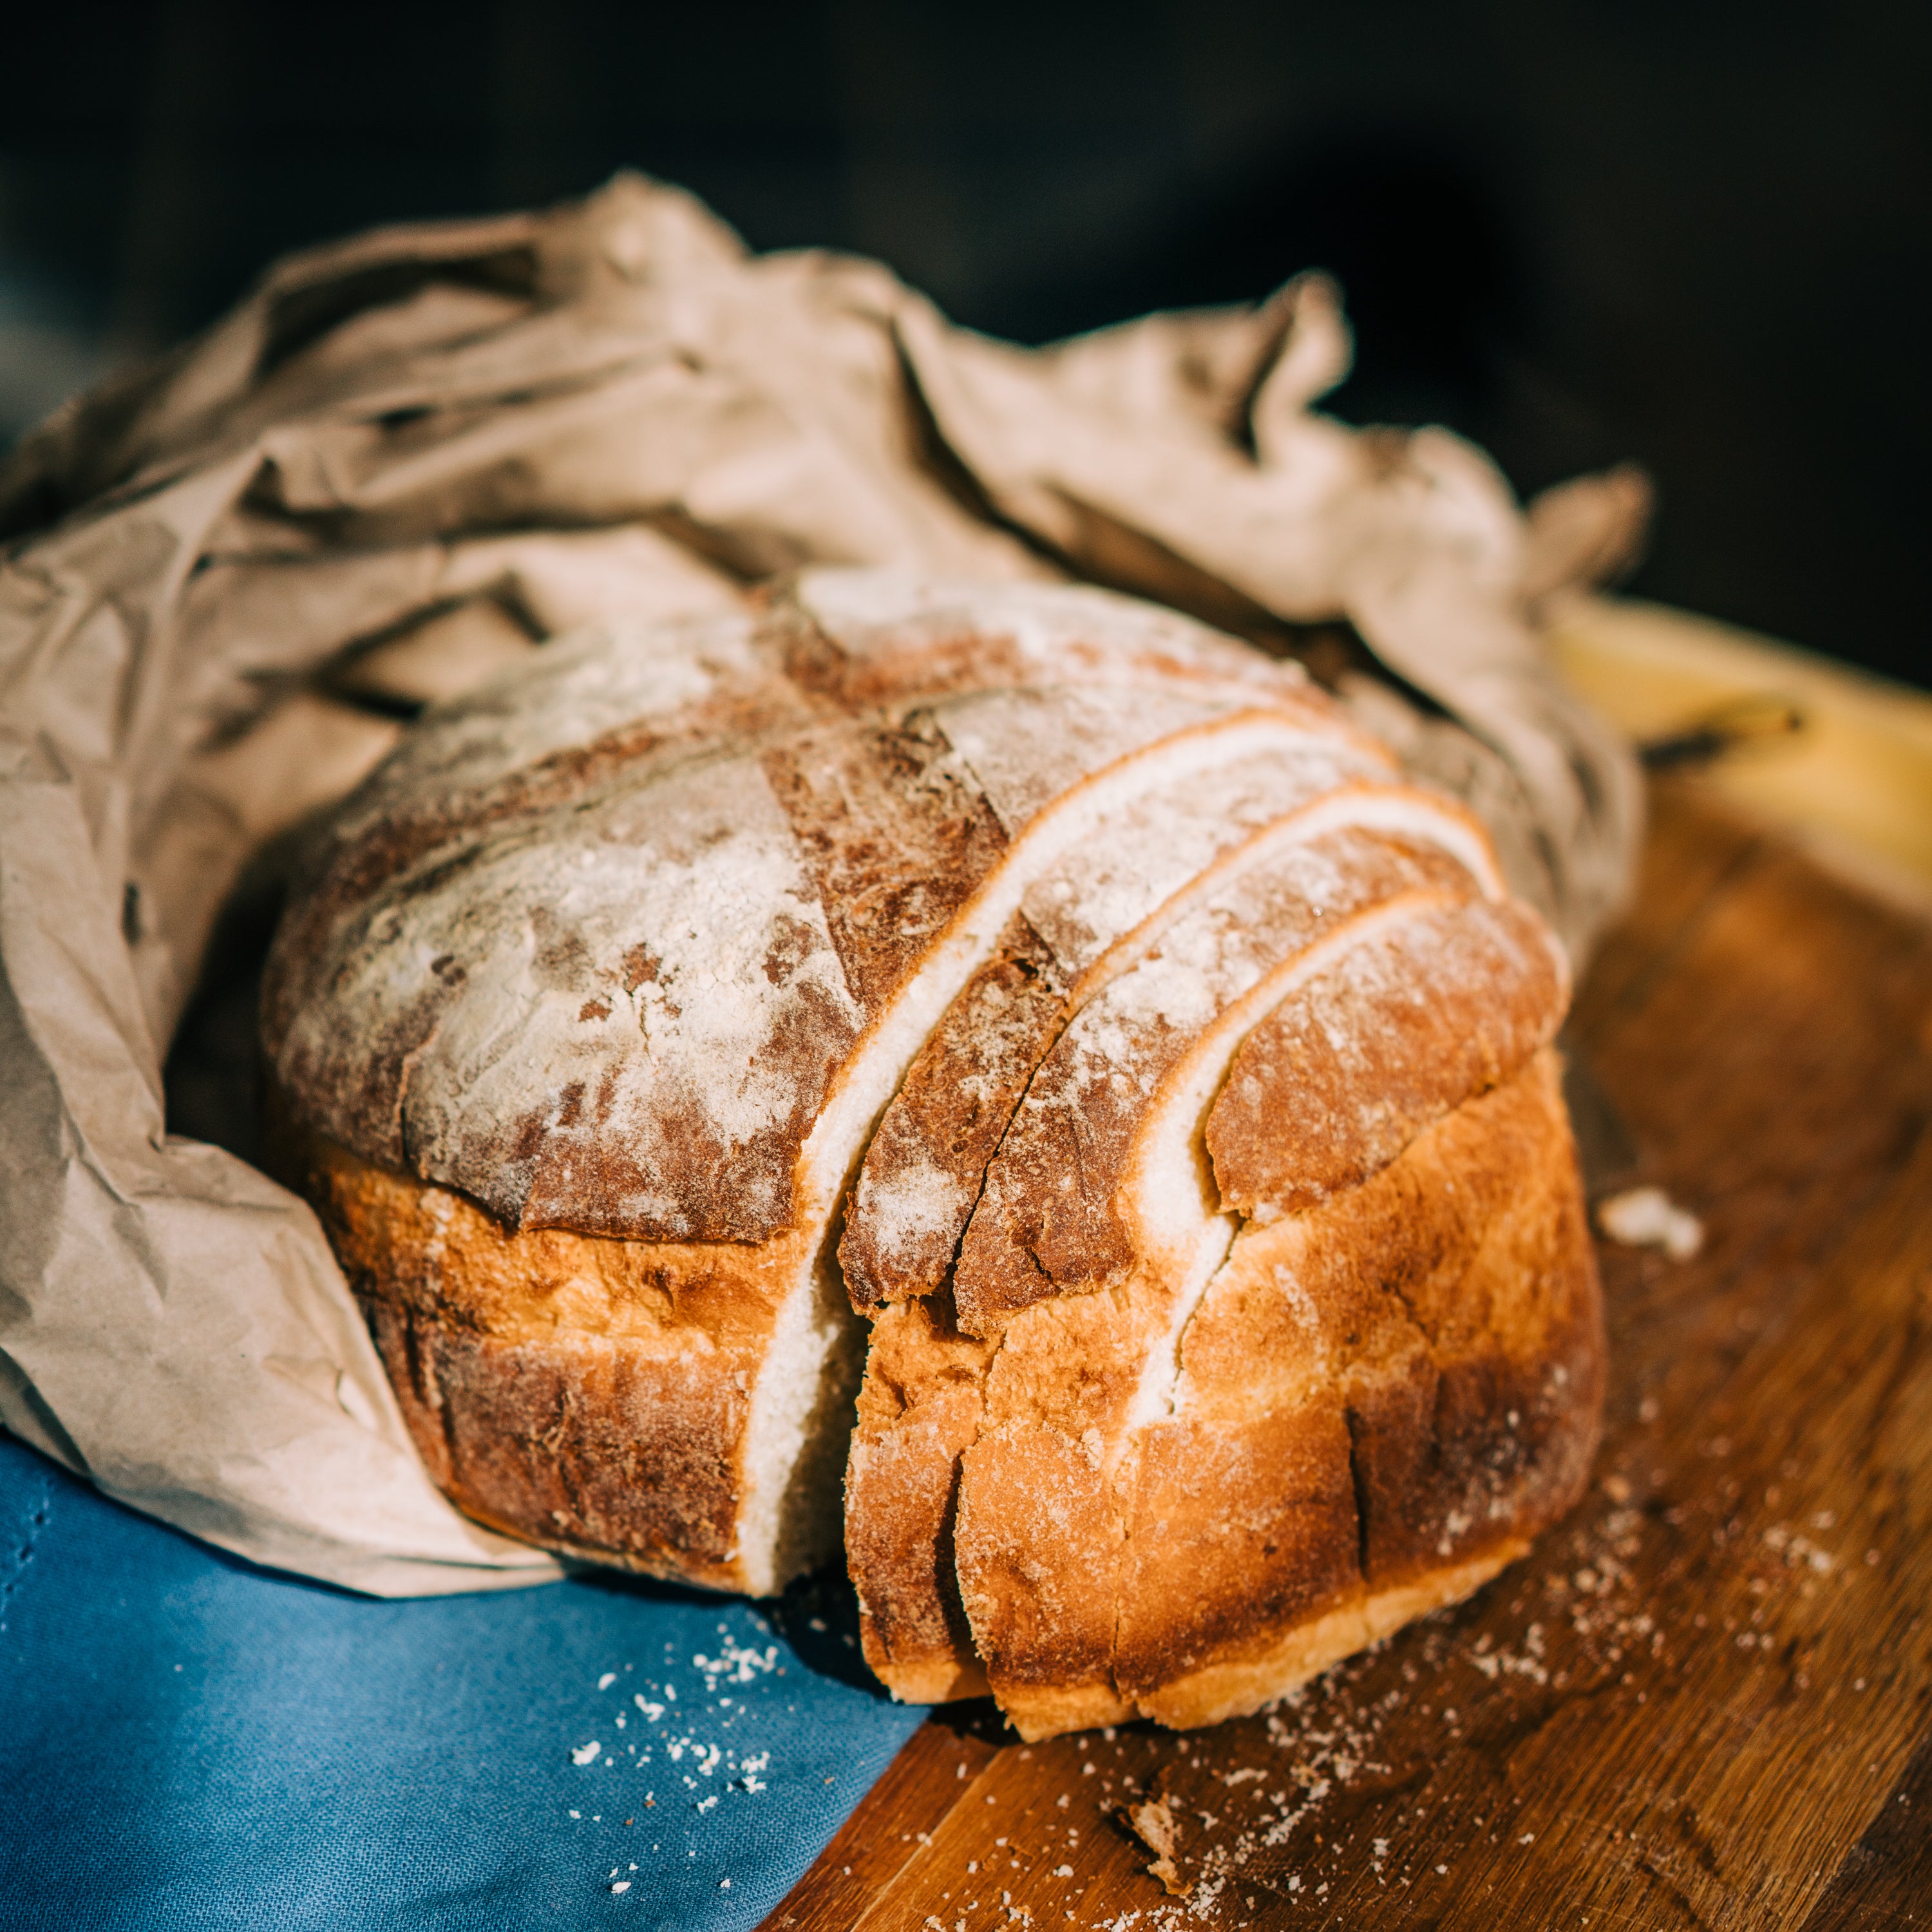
(1705, 1700)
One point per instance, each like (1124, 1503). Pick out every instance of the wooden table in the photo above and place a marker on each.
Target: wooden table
(1705, 1700)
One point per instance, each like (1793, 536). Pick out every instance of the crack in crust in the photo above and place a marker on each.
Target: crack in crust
(922, 1175)
(895, 834)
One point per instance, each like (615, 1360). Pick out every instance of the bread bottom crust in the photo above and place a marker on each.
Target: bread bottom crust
(931, 1680)
(1237, 1687)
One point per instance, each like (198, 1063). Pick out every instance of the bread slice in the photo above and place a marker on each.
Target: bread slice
(1041, 977)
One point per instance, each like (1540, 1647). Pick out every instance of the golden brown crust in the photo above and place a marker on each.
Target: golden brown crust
(1238, 1529)
(588, 1394)
(1431, 1341)
(1349, 1069)
(1381, 1401)
(921, 1405)
(901, 1484)
(592, 1445)
(1234, 1687)
(1063, 1363)
(1038, 1548)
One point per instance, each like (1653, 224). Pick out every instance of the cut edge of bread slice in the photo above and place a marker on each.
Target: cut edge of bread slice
(1168, 1197)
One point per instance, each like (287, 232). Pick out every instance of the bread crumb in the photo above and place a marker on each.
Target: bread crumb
(1153, 1823)
(1647, 1217)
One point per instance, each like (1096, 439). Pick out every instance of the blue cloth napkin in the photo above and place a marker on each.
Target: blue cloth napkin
(187, 1741)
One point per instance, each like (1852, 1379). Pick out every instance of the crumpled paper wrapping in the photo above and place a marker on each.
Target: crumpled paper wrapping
(404, 462)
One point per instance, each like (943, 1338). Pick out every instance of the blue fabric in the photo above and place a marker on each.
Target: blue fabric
(187, 1741)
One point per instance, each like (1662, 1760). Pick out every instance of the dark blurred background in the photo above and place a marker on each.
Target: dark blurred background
(1695, 233)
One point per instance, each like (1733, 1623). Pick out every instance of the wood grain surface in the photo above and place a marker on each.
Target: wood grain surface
(1705, 1700)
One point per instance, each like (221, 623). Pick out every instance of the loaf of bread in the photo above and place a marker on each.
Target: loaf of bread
(1048, 1020)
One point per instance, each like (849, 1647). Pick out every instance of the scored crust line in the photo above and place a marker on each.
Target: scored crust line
(1361, 805)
